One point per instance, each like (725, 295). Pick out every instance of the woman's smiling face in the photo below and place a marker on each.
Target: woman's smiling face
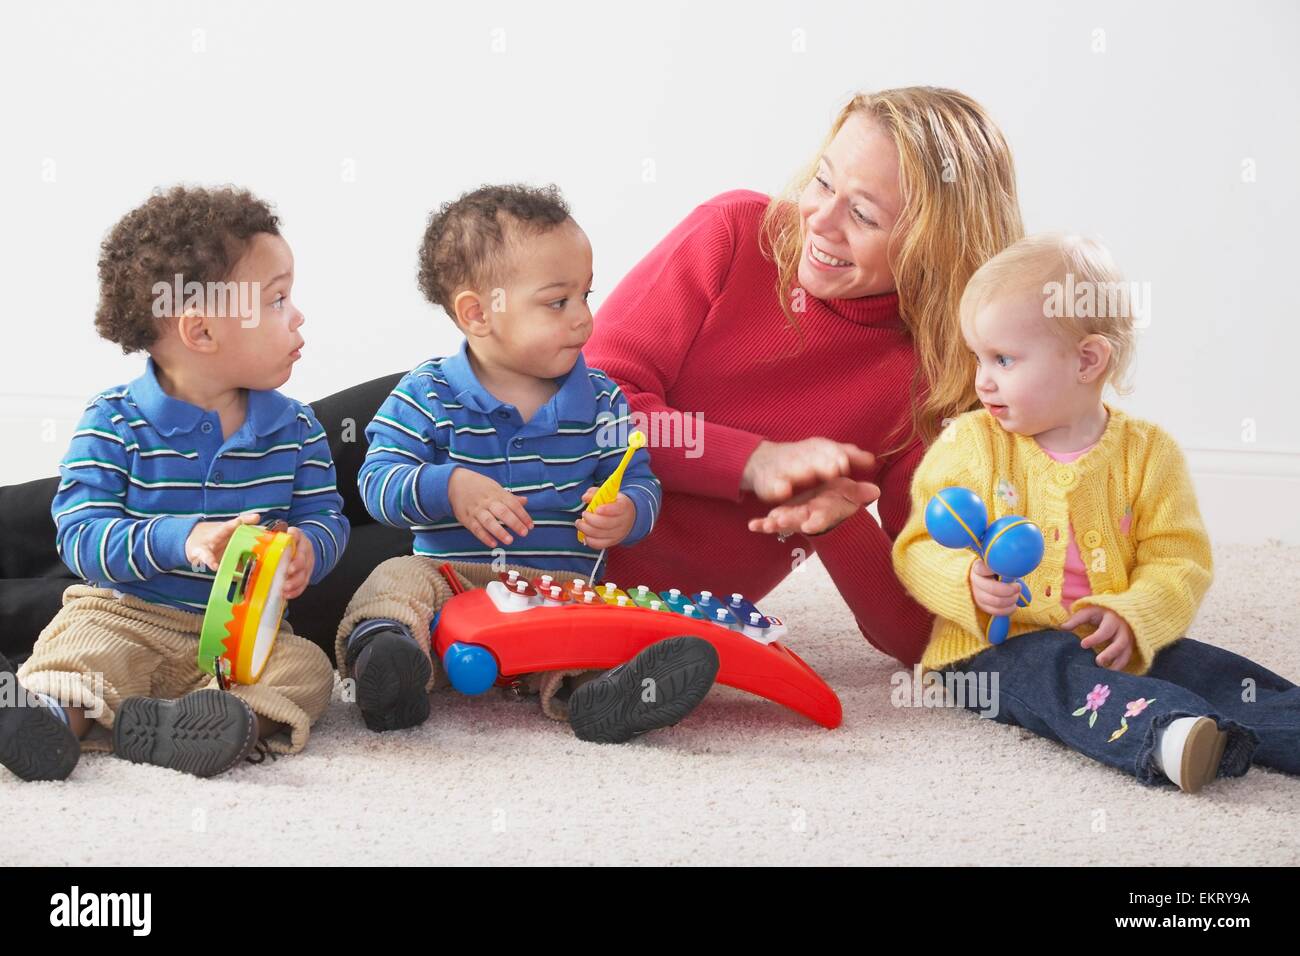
(848, 213)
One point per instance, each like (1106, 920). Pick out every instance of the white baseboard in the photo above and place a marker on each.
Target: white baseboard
(1247, 497)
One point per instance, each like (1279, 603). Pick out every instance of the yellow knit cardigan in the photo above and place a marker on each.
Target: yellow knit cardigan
(1153, 575)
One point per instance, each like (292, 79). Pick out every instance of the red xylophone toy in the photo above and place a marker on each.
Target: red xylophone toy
(515, 626)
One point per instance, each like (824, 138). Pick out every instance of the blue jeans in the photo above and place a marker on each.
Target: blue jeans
(1047, 683)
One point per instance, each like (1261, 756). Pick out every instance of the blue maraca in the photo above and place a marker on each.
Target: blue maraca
(1011, 547)
(957, 518)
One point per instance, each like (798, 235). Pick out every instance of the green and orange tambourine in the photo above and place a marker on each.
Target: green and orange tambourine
(246, 605)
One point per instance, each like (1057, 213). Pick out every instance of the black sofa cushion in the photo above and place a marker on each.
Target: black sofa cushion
(33, 578)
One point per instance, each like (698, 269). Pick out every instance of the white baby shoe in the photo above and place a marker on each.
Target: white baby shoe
(1189, 751)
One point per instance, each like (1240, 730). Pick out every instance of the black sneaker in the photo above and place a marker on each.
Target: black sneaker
(392, 675)
(205, 733)
(620, 703)
(34, 743)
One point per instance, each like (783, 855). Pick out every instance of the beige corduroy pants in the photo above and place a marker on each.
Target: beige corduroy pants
(102, 648)
(411, 590)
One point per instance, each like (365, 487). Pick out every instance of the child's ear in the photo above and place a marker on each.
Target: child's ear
(195, 331)
(1094, 357)
(469, 315)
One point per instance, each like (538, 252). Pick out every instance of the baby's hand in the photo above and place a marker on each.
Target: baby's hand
(992, 596)
(207, 542)
(301, 565)
(609, 524)
(487, 509)
(1110, 627)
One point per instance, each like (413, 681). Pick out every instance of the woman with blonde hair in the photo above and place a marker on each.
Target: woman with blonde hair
(793, 357)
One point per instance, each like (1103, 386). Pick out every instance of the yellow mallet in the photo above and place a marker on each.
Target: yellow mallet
(608, 490)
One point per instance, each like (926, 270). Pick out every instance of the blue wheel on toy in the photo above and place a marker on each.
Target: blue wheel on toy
(472, 669)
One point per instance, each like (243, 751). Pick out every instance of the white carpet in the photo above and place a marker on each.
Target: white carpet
(742, 781)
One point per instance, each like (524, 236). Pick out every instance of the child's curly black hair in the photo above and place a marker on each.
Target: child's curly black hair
(195, 232)
(466, 241)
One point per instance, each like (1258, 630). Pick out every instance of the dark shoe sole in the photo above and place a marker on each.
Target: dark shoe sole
(612, 708)
(391, 690)
(34, 743)
(204, 733)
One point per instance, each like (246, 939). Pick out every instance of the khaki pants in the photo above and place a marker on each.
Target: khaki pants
(101, 649)
(411, 590)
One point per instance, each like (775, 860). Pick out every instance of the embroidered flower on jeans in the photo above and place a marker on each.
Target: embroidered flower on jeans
(1096, 697)
(1135, 707)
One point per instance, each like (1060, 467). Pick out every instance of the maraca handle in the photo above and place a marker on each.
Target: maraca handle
(1025, 596)
(1000, 625)
(998, 628)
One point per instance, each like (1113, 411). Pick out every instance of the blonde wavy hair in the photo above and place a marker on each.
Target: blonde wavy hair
(1046, 265)
(960, 209)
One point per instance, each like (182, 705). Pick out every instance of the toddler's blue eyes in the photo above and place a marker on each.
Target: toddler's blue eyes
(278, 303)
(1005, 361)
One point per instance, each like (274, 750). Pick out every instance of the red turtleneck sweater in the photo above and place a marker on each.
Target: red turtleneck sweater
(696, 329)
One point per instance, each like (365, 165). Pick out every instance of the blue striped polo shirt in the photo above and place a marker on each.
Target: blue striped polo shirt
(439, 417)
(143, 468)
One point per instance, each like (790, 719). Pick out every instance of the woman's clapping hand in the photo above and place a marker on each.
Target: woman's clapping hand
(777, 470)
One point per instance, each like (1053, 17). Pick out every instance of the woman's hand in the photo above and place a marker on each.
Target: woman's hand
(818, 509)
(1110, 627)
(776, 469)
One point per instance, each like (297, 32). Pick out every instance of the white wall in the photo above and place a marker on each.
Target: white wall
(1143, 143)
